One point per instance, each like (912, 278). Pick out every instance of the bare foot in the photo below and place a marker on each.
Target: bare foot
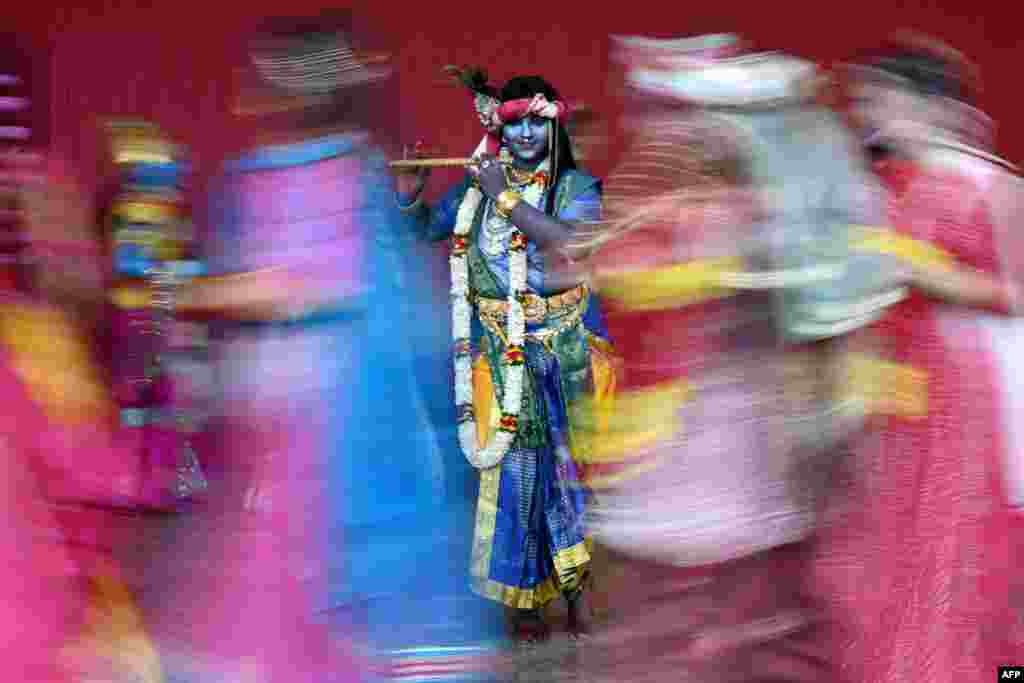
(581, 614)
(529, 627)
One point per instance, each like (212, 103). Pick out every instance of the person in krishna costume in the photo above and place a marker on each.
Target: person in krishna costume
(530, 347)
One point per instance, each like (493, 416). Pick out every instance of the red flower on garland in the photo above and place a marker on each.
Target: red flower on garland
(509, 423)
(518, 241)
(541, 179)
(459, 245)
(514, 355)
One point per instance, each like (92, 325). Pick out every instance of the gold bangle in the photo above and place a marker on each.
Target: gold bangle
(507, 201)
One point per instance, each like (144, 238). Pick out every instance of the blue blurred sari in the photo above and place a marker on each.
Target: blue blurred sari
(398, 492)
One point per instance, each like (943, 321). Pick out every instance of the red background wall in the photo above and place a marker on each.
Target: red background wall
(171, 61)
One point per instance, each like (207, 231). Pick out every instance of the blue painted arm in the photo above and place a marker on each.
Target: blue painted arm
(584, 208)
(437, 222)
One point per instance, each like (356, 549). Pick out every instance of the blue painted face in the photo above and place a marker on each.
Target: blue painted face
(527, 139)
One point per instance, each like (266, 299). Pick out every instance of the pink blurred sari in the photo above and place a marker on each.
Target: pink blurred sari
(41, 604)
(250, 582)
(69, 614)
(919, 565)
(61, 461)
(710, 524)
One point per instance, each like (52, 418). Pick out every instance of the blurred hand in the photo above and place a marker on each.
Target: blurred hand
(410, 181)
(896, 272)
(59, 224)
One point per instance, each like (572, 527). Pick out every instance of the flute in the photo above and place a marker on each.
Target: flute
(434, 163)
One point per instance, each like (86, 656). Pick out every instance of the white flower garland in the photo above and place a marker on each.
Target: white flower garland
(462, 314)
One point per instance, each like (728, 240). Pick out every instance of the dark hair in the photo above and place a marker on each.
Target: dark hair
(927, 67)
(300, 29)
(522, 87)
(367, 105)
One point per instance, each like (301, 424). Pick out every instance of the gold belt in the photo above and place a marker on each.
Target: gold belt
(563, 310)
(536, 308)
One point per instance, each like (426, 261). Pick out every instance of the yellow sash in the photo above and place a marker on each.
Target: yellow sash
(917, 252)
(669, 287)
(885, 387)
(54, 362)
(889, 388)
(700, 280)
(115, 633)
(641, 419)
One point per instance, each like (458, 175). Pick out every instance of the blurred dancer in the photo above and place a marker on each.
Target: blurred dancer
(43, 600)
(147, 346)
(329, 509)
(529, 345)
(71, 482)
(63, 426)
(731, 414)
(588, 133)
(920, 562)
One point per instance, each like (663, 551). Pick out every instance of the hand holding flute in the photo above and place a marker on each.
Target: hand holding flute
(411, 177)
(412, 173)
